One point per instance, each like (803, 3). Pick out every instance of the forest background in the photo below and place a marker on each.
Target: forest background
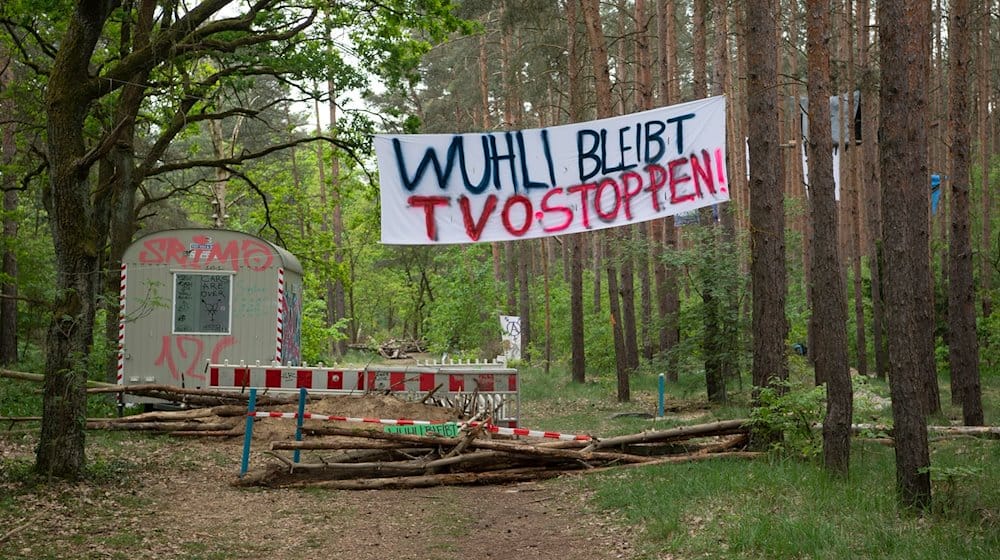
(197, 116)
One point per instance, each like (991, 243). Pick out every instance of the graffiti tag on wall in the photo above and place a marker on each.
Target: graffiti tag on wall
(202, 252)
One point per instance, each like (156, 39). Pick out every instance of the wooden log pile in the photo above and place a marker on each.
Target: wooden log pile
(216, 421)
(392, 349)
(355, 459)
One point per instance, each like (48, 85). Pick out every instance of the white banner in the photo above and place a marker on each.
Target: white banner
(523, 184)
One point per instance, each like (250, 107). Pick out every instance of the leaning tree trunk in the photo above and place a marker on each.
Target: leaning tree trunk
(963, 346)
(77, 237)
(903, 37)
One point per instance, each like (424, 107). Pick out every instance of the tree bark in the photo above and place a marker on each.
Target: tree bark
(77, 237)
(667, 297)
(8, 290)
(576, 241)
(524, 297)
(599, 56)
(871, 186)
(983, 89)
(963, 345)
(644, 101)
(829, 317)
(767, 215)
(904, 33)
(337, 229)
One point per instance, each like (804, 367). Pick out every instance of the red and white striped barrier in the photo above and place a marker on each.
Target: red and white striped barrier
(281, 313)
(370, 379)
(492, 388)
(120, 376)
(492, 428)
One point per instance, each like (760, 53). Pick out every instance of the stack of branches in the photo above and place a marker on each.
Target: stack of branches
(201, 412)
(204, 412)
(392, 349)
(366, 459)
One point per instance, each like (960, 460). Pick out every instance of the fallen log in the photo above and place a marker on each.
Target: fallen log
(39, 378)
(187, 414)
(722, 428)
(206, 433)
(430, 480)
(407, 467)
(161, 426)
(193, 396)
(976, 431)
(494, 445)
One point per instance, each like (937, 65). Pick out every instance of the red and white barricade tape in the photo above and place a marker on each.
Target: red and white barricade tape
(532, 433)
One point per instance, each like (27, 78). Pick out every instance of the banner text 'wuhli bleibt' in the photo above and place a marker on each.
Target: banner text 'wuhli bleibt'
(501, 186)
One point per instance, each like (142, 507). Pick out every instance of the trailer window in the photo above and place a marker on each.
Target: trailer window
(202, 303)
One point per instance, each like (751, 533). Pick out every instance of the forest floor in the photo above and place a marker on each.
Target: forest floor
(161, 497)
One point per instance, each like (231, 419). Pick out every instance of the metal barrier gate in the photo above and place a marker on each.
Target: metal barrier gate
(468, 387)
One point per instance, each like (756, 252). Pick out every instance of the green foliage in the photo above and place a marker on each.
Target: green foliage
(463, 315)
(792, 413)
(316, 335)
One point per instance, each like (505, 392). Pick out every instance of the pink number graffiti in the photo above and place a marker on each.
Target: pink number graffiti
(189, 349)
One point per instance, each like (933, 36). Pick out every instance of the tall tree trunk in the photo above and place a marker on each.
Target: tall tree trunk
(547, 350)
(614, 308)
(963, 346)
(712, 347)
(985, 238)
(599, 56)
(904, 33)
(829, 315)
(853, 163)
(644, 101)
(729, 293)
(337, 229)
(524, 297)
(767, 215)
(484, 98)
(329, 298)
(576, 241)
(8, 290)
(667, 296)
(871, 186)
(220, 174)
(626, 234)
(934, 121)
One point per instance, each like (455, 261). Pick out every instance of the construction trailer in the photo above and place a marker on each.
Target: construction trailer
(193, 296)
(222, 310)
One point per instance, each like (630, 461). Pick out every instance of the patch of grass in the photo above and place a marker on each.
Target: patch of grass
(779, 509)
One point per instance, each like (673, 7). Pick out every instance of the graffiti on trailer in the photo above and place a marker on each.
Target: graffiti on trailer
(202, 252)
(291, 341)
(182, 354)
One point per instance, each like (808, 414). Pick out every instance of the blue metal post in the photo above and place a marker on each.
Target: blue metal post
(663, 390)
(248, 432)
(298, 421)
